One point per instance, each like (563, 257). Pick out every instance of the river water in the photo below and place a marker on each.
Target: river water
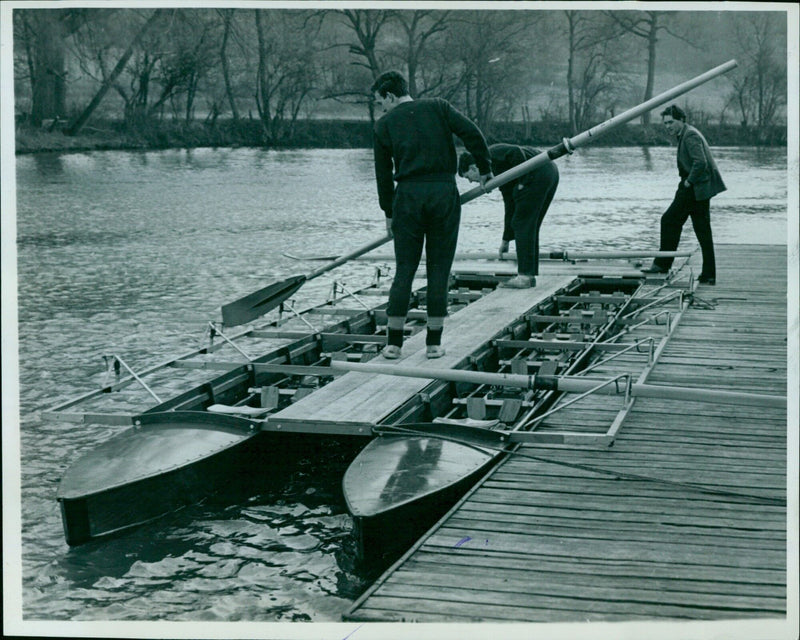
(133, 252)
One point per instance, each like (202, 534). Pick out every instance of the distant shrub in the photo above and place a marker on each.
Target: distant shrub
(343, 134)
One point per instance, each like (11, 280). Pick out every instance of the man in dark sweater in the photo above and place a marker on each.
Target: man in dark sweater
(526, 201)
(414, 147)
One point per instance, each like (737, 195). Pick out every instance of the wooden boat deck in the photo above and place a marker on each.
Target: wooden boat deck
(587, 533)
(355, 402)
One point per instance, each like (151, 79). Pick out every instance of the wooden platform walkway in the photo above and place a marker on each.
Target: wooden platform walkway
(683, 518)
(355, 402)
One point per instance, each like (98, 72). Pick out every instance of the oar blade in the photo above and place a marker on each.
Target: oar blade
(256, 304)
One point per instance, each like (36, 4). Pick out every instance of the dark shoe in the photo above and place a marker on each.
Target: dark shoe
(654, 269)
(707, 280)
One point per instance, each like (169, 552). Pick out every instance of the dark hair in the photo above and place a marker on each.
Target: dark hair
(465, 162)
(390, 82)
(675, 112)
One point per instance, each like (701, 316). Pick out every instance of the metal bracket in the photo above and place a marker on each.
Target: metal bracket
(286, 304)
(113, 360)
(602, 384)
(214, 330)
(337, 284)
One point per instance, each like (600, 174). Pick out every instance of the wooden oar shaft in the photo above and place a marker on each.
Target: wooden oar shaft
(512, 257)
(610, 255)
(569, 144)
(551, 255)
(350, 256)
(569, 384)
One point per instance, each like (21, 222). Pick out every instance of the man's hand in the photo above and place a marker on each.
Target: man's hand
(484, 178)
(503, 248)
(687, 184)
(389, 228)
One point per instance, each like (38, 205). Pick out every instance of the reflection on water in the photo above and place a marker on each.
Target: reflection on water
(414, 467)
(48, 165)
(133, 252)
(647, 159)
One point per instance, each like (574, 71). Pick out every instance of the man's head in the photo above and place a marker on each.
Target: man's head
(468, 168)
(387, 90)
(673, 118)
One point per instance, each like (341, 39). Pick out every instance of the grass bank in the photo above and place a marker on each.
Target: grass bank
(339, 134)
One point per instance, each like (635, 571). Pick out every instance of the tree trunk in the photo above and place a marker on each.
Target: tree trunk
(49, 69)
(226, 74)
(191, 92)
(87, 112)
(652, 39)
(262, 90)
(570, 73)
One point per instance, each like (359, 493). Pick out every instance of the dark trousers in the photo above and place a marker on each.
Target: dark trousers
(683, 206)
(530, 206)
(424, 213)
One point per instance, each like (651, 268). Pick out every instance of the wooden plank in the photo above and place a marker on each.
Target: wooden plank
(367, 398)
(540, 528)
(557, 545)
(679, 518)
(733, 480)
(532, 606)
(478, 556)
(662, 593)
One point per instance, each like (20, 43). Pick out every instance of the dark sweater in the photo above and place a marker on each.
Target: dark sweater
(417, 136)
(505, 157)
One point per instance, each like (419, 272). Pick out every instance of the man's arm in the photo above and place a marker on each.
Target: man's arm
(471, 136)
(383, 174)
(508, 202)
(693, 144)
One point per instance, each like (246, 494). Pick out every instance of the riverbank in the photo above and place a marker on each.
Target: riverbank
(336, 134)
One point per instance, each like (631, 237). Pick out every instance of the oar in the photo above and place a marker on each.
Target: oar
(566, 256)
(260, 302)
(570, 384)
(568, 145)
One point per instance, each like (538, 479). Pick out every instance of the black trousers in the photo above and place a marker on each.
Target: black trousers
(424, 213)
(530, 206)
(684, 206)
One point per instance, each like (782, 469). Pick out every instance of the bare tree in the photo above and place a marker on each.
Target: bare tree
(418, 27)
(286, 73)
(491, 61)
(43, 35)
(646, 25)
(759, 87)
(227, 19)
(366, 25)
(195, 42)
(111, 78)
(590, 65)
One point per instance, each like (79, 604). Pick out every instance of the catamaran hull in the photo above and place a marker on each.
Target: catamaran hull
(381, 538)
(398, 487)
(169, 461)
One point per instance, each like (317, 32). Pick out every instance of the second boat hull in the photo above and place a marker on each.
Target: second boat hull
(397, 487)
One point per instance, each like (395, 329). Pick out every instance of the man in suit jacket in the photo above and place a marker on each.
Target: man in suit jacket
(700, 181)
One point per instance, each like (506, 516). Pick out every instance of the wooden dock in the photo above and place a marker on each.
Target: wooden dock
(683, 518)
